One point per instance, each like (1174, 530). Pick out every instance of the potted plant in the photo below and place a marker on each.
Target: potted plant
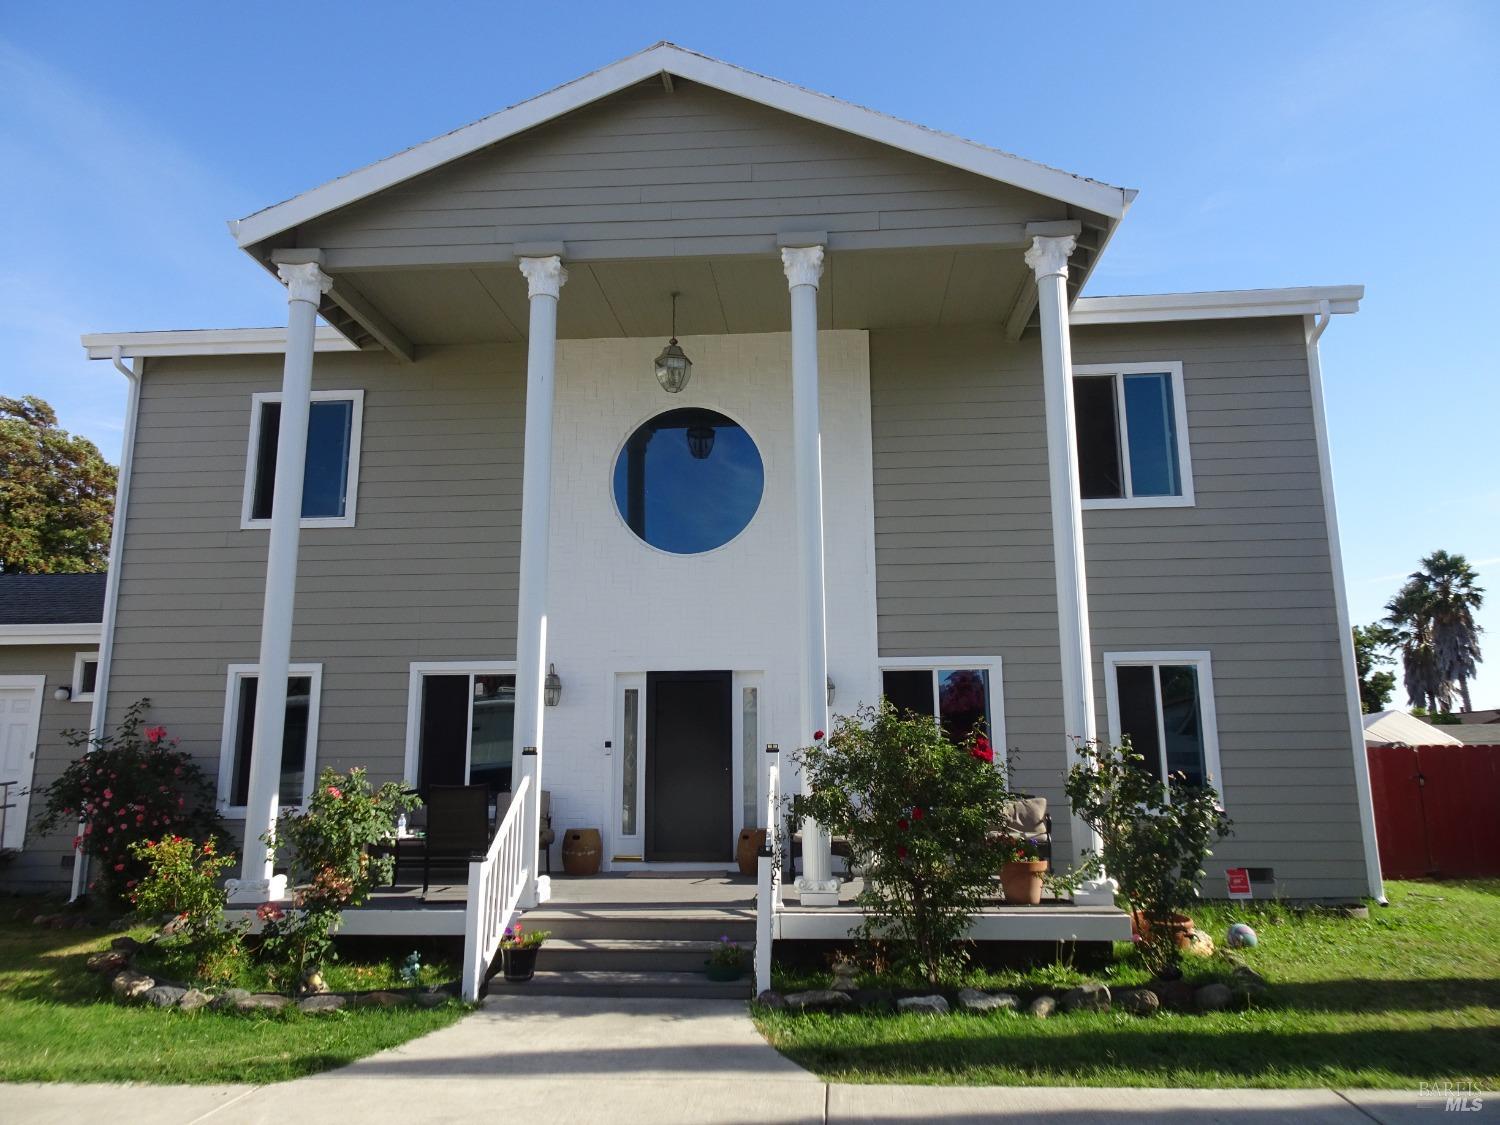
(727, 962)
(518, 950)
(1021, 875)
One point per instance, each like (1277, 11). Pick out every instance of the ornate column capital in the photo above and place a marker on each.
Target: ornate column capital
(803, 265)
(545, 277)
(1049, 255)
(304, 282)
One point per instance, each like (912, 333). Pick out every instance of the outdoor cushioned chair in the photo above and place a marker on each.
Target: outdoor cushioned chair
(546, 835)
(1027, 817)
(458, 825)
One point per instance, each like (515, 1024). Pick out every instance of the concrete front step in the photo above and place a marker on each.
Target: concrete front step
(635, 923)
(627, 955)
(676, 985)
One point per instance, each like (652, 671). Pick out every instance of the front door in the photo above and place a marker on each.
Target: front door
(20, 720)
(689, 766)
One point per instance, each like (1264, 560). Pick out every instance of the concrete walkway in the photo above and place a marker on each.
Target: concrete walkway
(660, 1061)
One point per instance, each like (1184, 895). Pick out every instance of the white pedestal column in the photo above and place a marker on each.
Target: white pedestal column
(804, 269)
(306, 284)
(545, 277)
(1048, 258)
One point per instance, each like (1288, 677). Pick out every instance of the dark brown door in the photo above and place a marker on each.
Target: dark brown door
(689, 778)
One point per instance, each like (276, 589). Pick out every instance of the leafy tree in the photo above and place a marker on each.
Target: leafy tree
(1372, 652)
(920, 814)
(1433, 616)
(57, 494)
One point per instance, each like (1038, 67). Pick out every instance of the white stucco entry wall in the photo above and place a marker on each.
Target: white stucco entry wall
(619, 607)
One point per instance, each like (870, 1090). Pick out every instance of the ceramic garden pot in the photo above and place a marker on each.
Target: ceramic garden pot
(723, 972)
(519, 964)
(1022, 881)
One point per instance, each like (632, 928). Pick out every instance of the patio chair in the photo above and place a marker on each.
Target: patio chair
(458, 825)
(1028, 817)
(546, 835)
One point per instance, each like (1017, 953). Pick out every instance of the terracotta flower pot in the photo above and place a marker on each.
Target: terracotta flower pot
(1022, 881)
(1180, 926)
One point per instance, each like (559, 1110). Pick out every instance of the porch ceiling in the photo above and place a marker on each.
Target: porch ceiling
(867, 290)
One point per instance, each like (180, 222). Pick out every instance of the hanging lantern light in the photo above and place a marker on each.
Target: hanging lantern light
(552, 687)
(700, 441)
(673, 368)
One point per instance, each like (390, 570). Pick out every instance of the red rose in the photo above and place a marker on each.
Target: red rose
(982, 749)
(817, 736)
(916, 813)
(333, 792)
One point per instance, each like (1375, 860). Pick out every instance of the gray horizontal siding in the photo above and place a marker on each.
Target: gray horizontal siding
(644, 171)
(46, 860)
(428, 572)
(964, 563)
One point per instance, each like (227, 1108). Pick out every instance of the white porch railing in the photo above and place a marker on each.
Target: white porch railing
(495, 885)
(768, 874)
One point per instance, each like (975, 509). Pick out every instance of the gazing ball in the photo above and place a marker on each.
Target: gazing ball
(1241, 936)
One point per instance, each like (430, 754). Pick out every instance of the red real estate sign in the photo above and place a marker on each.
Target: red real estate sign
(1238, 879)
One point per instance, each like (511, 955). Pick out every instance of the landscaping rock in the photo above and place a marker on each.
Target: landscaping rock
(128, 984)
(1138, 1001)
(817, 1000)
(1199, 944)
(1090, 996)
(972, 1000)
(322, 1002)
(262, 1002)
(193, 999)
(230, 998)
(873, 999)
(42, 920)
(1043, 1006)
(1176, 995)
(379, 1000)
(845, 974)
(110, 962)
(1213, 997)
(1245, 974)
(126, 944)
(772, 999)
(165, 995)
(931, 1005)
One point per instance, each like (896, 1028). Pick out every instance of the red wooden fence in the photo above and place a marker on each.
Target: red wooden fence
(1437, 810)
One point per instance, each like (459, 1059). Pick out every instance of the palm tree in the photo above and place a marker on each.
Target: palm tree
(1433, 614)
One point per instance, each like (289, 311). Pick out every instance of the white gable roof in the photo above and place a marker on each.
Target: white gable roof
(1385, 727)
(667, 58)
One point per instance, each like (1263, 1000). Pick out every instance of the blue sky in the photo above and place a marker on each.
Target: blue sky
(1273, 144)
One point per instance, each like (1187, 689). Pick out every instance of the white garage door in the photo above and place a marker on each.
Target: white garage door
(20, 719)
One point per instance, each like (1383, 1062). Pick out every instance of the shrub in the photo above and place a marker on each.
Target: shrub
(325, 847)
(1154, 839)
(182, 880)
(129, 787)
(920, 814)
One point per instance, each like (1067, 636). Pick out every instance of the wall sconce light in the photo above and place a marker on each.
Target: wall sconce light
(830, 691)
(63, 694)
(552, 687)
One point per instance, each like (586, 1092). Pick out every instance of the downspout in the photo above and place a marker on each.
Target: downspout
(98, 713)
(1314, 327)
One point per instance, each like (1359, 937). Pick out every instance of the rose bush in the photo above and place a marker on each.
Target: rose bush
(182, 881)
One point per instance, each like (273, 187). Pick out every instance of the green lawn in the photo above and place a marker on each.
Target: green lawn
(57, 1024)
(1412, 995)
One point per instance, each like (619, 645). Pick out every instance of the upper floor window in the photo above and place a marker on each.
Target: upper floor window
(1164, 703)
(1132, 435)
(85, 676)
(330, 479)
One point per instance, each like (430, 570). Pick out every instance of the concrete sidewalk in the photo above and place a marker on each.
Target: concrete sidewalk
(659, 1061)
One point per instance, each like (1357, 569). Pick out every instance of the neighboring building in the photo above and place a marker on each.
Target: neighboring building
(910, 459)
(49, 663)
(1475, 734)
(1390, 728)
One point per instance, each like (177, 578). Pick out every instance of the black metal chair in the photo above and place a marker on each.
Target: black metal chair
(458, 825)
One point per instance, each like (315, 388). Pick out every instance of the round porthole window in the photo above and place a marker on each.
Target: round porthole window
(688, 481)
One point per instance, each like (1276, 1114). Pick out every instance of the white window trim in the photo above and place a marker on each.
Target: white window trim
(79, 660)
(414, 704)
(933, 664)
(236, 673)
(351, 491)
(1179, 411)
(1207, 711)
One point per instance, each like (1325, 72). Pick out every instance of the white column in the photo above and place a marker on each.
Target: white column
(306, 284)
(1048, 258)
(545, 277)
(804, 268)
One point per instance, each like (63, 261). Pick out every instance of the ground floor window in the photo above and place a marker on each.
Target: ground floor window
(461, 729)
(962, 693)
(1164, 703)
(298, 743)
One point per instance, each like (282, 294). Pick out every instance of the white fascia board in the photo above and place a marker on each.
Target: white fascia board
(666, 58)
(207, 341)
(1227, 304)
(82, 633)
